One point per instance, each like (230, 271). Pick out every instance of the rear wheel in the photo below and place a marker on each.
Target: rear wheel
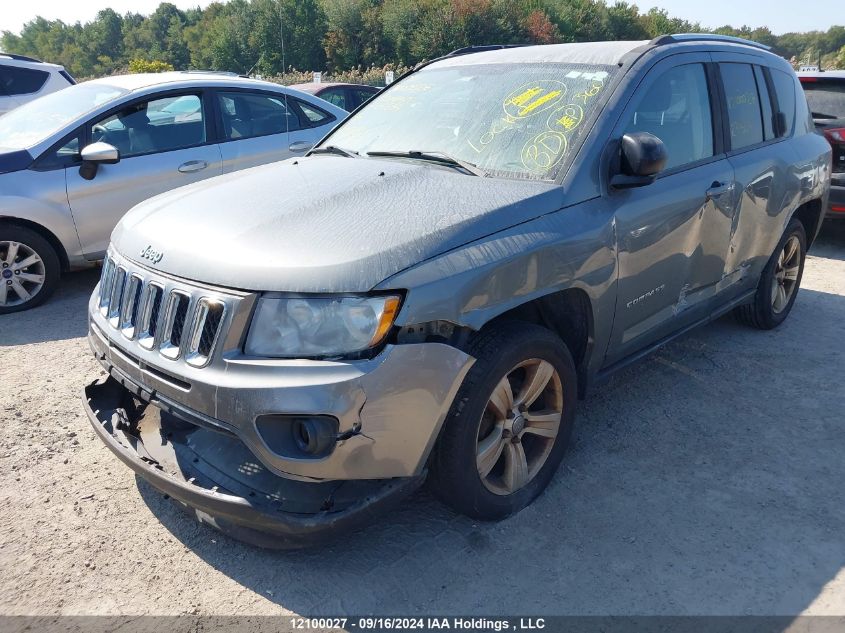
(29, 269)
(510, 423)
(779, 282)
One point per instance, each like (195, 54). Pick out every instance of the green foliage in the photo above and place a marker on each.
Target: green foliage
(372, 76)
(144, 66)
(272, 37)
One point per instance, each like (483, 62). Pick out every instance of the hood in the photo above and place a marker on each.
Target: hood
(324, 223)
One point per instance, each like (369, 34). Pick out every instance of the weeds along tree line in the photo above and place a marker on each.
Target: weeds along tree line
(357, 39)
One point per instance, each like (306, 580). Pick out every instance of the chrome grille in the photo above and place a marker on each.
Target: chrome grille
(175, 312)
(148, 326)
(179, 321)
(205, 329)
(129, 306)
(116, 296)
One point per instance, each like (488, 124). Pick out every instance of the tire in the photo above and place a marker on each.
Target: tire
(30, 285)
(779, 282)
(473, 423)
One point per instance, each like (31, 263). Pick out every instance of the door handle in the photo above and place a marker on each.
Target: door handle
(717, 189)
(300, 146)
(192, 166)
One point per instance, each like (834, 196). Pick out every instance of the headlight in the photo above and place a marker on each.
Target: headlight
(297, 327)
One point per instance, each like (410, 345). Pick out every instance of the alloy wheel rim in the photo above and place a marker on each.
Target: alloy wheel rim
(22, 273)
(786, 274)
(519, 426)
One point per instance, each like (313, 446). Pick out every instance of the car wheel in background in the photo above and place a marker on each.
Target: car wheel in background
(509, 424)
(29, 269)
(779, 282)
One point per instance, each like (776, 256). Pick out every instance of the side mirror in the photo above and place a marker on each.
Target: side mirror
(97, 154)
(643, 156)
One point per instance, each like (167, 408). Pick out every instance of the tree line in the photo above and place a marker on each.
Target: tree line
(271, 37)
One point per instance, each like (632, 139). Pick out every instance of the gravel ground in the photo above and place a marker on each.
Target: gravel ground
(707, 479)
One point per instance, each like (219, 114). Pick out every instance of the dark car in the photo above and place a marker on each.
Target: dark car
(346, 96)
(826, 95)
(429, 291)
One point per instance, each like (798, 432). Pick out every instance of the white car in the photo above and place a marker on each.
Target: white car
(73, 162)
(23, 79)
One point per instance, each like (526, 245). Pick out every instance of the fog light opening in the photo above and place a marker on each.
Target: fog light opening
(298, 436)
(313, 436)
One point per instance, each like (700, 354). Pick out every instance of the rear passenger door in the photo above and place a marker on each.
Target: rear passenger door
(673, 235)
(255, 128)
(759, 107)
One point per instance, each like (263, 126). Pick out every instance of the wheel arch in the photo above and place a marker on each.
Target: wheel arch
(811, 216)
(46, 233)
(569, 314)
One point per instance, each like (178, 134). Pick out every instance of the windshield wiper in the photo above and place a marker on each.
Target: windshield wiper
(822, 115)
(435, 157)
(334, 149)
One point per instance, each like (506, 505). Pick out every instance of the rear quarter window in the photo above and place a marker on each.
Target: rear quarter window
(314, 117)
(21, 81)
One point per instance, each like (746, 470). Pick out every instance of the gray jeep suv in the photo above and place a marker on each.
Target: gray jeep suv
(428, 292)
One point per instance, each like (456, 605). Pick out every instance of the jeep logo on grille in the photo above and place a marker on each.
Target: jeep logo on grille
(152, 254)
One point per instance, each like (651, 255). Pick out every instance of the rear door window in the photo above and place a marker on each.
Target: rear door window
(744, 115)
(785, 92)
(247, 115)
(21, 81)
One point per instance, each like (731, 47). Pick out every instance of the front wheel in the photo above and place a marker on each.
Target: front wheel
(779, 281)
(29, 269)
(510, 423)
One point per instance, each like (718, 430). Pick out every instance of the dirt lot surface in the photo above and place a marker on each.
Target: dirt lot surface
(708, 479)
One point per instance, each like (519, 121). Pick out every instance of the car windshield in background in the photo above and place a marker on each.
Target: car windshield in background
(38, 120)
(826, 98)
(511, 120)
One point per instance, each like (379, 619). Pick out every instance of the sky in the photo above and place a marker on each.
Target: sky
(780, 16)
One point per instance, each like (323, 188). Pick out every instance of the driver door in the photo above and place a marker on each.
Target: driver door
(673, 234)
(163, 144)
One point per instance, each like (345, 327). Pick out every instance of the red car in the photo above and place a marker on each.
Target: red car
(346, 96)
(826, 95)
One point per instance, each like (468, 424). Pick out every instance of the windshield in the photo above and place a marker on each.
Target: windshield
(41, 118)
(827, 98)
(512, 120)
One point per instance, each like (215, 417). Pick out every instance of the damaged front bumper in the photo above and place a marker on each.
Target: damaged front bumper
(390, 408)
(214, 476)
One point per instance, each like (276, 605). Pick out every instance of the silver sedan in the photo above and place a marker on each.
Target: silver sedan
(73, 162)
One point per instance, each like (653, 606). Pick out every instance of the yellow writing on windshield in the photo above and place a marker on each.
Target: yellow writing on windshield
(525, 97)
(528, 108)
(543, 152)
(529, 99)
(566, 118)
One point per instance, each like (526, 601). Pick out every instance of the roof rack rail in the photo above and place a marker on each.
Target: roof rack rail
(200, 71)
(20, 58)
(705, 37)
(466, 50)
